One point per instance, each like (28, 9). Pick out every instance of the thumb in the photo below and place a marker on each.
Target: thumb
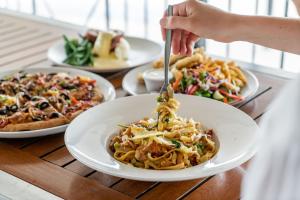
(175, 22)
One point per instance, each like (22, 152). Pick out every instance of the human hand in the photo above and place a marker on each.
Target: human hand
(193, 19)
(297, 5)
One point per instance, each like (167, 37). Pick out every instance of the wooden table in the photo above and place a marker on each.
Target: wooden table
(46, 163)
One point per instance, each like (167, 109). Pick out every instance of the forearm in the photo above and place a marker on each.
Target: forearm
(273, 32)
(297, 5)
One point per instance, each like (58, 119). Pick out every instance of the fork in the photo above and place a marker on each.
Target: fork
(164, 89)
(167, 54)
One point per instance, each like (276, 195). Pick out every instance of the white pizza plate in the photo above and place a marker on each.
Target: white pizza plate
(142, 51)
(106, 88)
(88, 136)
(132, 86)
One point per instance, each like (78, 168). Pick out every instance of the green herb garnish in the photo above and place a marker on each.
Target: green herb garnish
(176, 143)
(200, 147)
(159, 99)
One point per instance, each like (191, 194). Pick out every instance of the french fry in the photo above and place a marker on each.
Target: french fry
(229, 86)
(240, 73)
(199, 50)
(238, 82)
(225, 70)
(188, 62)
(173, 59)
(233, 73)
(221, 76)
(207, 64)
(220, 62)
(158, 63)
(231, 63)
(213, 68)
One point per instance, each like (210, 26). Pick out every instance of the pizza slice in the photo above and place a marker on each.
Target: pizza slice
(72, 95)
(35, 114)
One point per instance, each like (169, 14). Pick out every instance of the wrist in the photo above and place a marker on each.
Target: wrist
(233, 28)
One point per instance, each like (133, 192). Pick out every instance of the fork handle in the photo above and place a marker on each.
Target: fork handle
(168, 47)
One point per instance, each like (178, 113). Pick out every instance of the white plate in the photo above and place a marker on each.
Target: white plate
(142, 51)
(87, 137)
(133, 87)
(106, 88)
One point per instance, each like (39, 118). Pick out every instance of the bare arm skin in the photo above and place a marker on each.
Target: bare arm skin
(196, 19)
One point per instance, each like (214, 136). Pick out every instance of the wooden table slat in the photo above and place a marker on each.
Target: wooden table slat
(4, 24)
(43, 48)
(132, 188)
(20, 33)
(27, 62)
(19, 143)
(8, 30)
(104, 179)
(52, 178)
(223, 186)
(45, 145)
(171, 190)
(22, 39)
(12, 49)
(59, 157)
(79, 168)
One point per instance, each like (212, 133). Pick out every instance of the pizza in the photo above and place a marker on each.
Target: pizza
(31, 101)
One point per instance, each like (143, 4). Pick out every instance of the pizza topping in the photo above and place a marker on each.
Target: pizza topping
(13, 108)
(67, 86)
(26, 96)
(36, 98)
(7, 100)
(36, 114)
(84, 80)
(9, 88)
(52, 92)
(43, 105)
(54, 115)
(65, 96)
(3, 122)
(3, 111)
(74, 100)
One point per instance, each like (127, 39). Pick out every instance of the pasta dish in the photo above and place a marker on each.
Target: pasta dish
(168, 142)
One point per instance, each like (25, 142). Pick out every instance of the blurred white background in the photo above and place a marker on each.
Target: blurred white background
(141, 18)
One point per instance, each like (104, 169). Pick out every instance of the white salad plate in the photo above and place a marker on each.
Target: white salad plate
(132, 86)
(106, 88)
(88, 136)
(142, 51)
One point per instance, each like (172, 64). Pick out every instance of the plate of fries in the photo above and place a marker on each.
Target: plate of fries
(199, 75)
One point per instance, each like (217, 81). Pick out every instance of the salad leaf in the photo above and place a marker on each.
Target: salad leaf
(202, 75)
(206, 94)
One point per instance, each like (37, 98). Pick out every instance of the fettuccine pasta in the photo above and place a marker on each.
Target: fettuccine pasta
(169, 142)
